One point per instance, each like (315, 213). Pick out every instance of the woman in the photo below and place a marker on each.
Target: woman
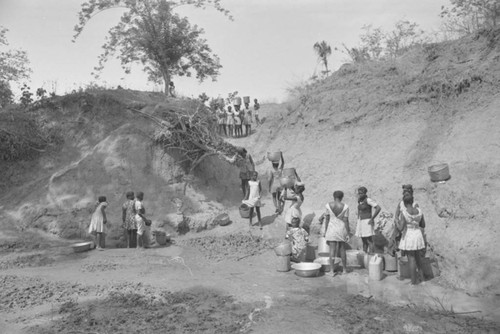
(230, 122)
(296, 198)
(368, 210)
(247, 121)
(336, 230)
(98, 221)
(128, 219)
(238, 132)
(141, 220)
(221, 121)
(407, 189)
(274, 183)
(252, 197)
(246, 166)
(412, 241)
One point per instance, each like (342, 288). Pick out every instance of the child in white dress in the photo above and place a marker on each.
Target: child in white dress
(98, 221)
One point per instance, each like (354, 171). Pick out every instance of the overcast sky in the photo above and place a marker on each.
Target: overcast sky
(265, 50)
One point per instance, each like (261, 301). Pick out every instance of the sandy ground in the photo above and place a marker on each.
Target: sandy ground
(187, 289)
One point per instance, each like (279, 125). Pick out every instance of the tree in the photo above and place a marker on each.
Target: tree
(14, 66)
(404, 35)
(150, 33)
(371, 41)
(323, 50)
(468, 16)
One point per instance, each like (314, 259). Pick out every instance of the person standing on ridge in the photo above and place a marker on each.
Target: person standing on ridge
(256, 107)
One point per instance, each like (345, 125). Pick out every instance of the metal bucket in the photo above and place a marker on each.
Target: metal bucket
(439, 172)
(323, 247)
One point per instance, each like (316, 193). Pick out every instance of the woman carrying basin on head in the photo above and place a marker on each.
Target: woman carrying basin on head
(274, 182)
(336, 229)
(295, 198)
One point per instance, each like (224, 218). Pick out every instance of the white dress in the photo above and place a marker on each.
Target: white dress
(363, 228)
(254, 195)
(141, 224)
(336, 230)
(412, 238)
(97, 220)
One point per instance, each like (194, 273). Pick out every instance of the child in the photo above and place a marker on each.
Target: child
(299, 238)
(274, 183)
(252, 197)
(98, 221)
(141, 220)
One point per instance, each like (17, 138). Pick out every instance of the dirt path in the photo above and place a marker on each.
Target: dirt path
(183, 290)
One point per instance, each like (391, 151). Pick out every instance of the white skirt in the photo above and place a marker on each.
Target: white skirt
(363, 229)
(412, 239)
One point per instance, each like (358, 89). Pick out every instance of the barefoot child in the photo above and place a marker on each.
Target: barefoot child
(140, 220)
(252, 197)
(299, 238)
(98, 221)
(274, 183)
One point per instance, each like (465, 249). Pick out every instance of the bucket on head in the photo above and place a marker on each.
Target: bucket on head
(274, 156)
(287, 181)
(244, 211)
(246, 99)
(289, 172)
(283, 249)
(404, 267)
(237, 101)
(283, 263)
(376, 267)
(220, 102)
(323, 247)
(439, 172)
(390, 262)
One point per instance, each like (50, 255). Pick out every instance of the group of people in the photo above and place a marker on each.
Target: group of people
(409, 220)
(233, 117)
(134, 221)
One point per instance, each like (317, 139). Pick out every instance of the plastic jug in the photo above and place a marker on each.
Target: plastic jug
(375, 267)
(391, 262)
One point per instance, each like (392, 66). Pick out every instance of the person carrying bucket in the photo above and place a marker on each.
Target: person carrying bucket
(295, 199)
(252, 197)
(256, 107)
(274, 182)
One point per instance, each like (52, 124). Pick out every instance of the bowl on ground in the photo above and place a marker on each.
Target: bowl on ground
(306, 269)
(81, 246)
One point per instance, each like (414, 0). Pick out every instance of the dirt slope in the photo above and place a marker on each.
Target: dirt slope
(107, 150)
(382, 124)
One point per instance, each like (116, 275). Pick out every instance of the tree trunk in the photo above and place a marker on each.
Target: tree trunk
(166, 80)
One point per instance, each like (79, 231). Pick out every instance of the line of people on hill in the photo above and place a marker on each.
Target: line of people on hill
(232, 118)
(134, 221)
(288, 198)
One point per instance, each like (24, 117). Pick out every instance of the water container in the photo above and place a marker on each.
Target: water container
(375, 268)
(244, 211)
(404, 267)
(323, 248)
(391, 262)
(237, 101)
(246, 99)
(274, 156)
(283, 249)
(366, 259)
(289, 172)
(439, 172)
(283, 263)
(287, 181)
(354, 258)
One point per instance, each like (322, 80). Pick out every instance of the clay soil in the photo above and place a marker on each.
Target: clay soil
(219, 281)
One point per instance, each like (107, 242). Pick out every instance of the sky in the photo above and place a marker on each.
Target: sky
(267, 49)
